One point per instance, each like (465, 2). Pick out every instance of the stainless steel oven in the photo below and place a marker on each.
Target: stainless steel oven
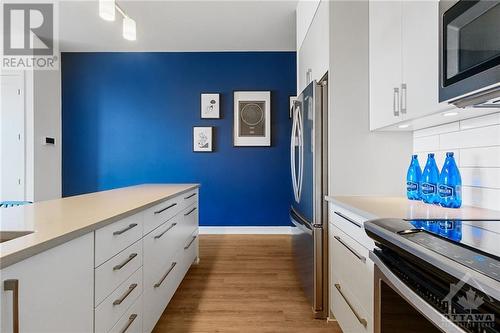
(469, 49)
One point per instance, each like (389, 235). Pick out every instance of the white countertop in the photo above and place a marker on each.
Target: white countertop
(373, 207)
(54, 222)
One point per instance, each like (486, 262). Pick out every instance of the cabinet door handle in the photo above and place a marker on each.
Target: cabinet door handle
(395, 102)
(349, 220)
(359, 256)
(362, 321)
(129, 322)
(403, 98)
(164, 209)
(120, 266)
(156, 285)
(166, 230)
(129, 290)
(191, 242)
(130, 226)
(190, 196)
(13, 285)
(192, 210)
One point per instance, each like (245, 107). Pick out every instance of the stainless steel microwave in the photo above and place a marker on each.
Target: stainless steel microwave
(470, 52)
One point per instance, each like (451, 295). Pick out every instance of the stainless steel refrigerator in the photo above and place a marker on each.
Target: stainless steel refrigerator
(308, 211)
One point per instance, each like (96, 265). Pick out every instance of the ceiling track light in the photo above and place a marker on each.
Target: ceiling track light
(107, 9)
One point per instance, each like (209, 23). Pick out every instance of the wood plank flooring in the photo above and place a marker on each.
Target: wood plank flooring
(244, 283)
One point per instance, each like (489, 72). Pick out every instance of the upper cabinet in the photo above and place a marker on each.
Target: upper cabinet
(313, 53)
(404, 68)
(305, 15)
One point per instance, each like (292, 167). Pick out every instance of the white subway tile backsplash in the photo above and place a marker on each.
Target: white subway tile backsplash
(481, 197)
(491, 119)
(481, 177)
(488, 157)
(476, 144)
(427, 143)
(446, 128)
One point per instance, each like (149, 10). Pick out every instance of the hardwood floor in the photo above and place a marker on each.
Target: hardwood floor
(244, 283)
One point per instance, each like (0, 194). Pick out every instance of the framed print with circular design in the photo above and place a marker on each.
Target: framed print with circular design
(252, 118)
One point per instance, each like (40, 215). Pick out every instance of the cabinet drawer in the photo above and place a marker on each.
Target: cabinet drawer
(115, 237)
(351, 224)
(115, 305)
(352, 272)
(158, 293)
(348, 317)
(161, 213)
(189, 198)
(189, 252)
(189, 221)
(113, 272)
(160, 247)
(131, 321)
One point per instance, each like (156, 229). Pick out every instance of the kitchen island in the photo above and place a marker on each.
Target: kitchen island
(100, 262)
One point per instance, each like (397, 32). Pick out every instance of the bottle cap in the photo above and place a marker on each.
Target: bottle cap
(431, 155)
(414, 156)
(449, 154)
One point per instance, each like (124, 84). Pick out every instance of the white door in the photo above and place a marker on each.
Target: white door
(12, 138)
(420, 32)
(385, 62)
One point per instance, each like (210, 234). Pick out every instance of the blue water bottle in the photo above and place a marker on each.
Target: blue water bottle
(413, 178)
(430, 179)
(450, 184)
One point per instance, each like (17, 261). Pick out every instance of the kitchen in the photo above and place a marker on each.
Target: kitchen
(184, 169)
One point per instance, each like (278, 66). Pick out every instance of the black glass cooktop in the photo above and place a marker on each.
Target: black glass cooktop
(473, 243)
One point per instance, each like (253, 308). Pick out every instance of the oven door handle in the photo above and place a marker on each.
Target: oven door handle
(412, 298)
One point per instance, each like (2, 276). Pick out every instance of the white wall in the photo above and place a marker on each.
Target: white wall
(361, 162)
(476, 144)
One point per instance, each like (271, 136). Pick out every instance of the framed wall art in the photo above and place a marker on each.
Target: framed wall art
(203, 139)
(210, 108)
(252, 118)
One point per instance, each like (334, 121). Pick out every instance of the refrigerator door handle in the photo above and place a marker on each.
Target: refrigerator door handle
(300, 132)
(300, 222)
(293, 143)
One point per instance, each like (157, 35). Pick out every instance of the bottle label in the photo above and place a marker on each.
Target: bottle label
(411, 186)
(445, 191)
(428, 188)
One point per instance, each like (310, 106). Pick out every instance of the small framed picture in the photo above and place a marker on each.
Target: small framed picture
(210, 106)
(252, 118)
(203, 139)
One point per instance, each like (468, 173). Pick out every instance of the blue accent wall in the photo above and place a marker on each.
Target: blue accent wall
(128, 119)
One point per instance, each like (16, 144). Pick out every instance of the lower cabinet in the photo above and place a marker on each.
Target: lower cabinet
(52, 291)
(351, 273)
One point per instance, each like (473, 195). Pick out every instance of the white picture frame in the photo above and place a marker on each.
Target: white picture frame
(252, 119)
(203, 139)
(210, 106)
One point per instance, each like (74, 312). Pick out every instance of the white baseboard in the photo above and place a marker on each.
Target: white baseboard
(245, 230)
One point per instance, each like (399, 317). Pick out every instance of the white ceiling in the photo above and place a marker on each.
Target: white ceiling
(181, 26)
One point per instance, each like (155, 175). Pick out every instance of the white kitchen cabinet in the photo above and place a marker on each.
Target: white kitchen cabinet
(304, 17)
(385, 62)
(404, 61)
(313, 55)
(55, 290)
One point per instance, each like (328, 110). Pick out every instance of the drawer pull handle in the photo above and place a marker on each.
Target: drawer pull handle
(121, 299)
(191, 242)
(164, 209)
(163, 233)
(192, 210)
(129, 322)
(130, 226)
(13, 285)
(349, 220)
(190, 196)
(362, 321)
(120, 266)
(156, 285)
(359, 256)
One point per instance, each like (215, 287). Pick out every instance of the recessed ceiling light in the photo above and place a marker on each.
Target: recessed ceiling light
(404, 126)
(450, 114)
